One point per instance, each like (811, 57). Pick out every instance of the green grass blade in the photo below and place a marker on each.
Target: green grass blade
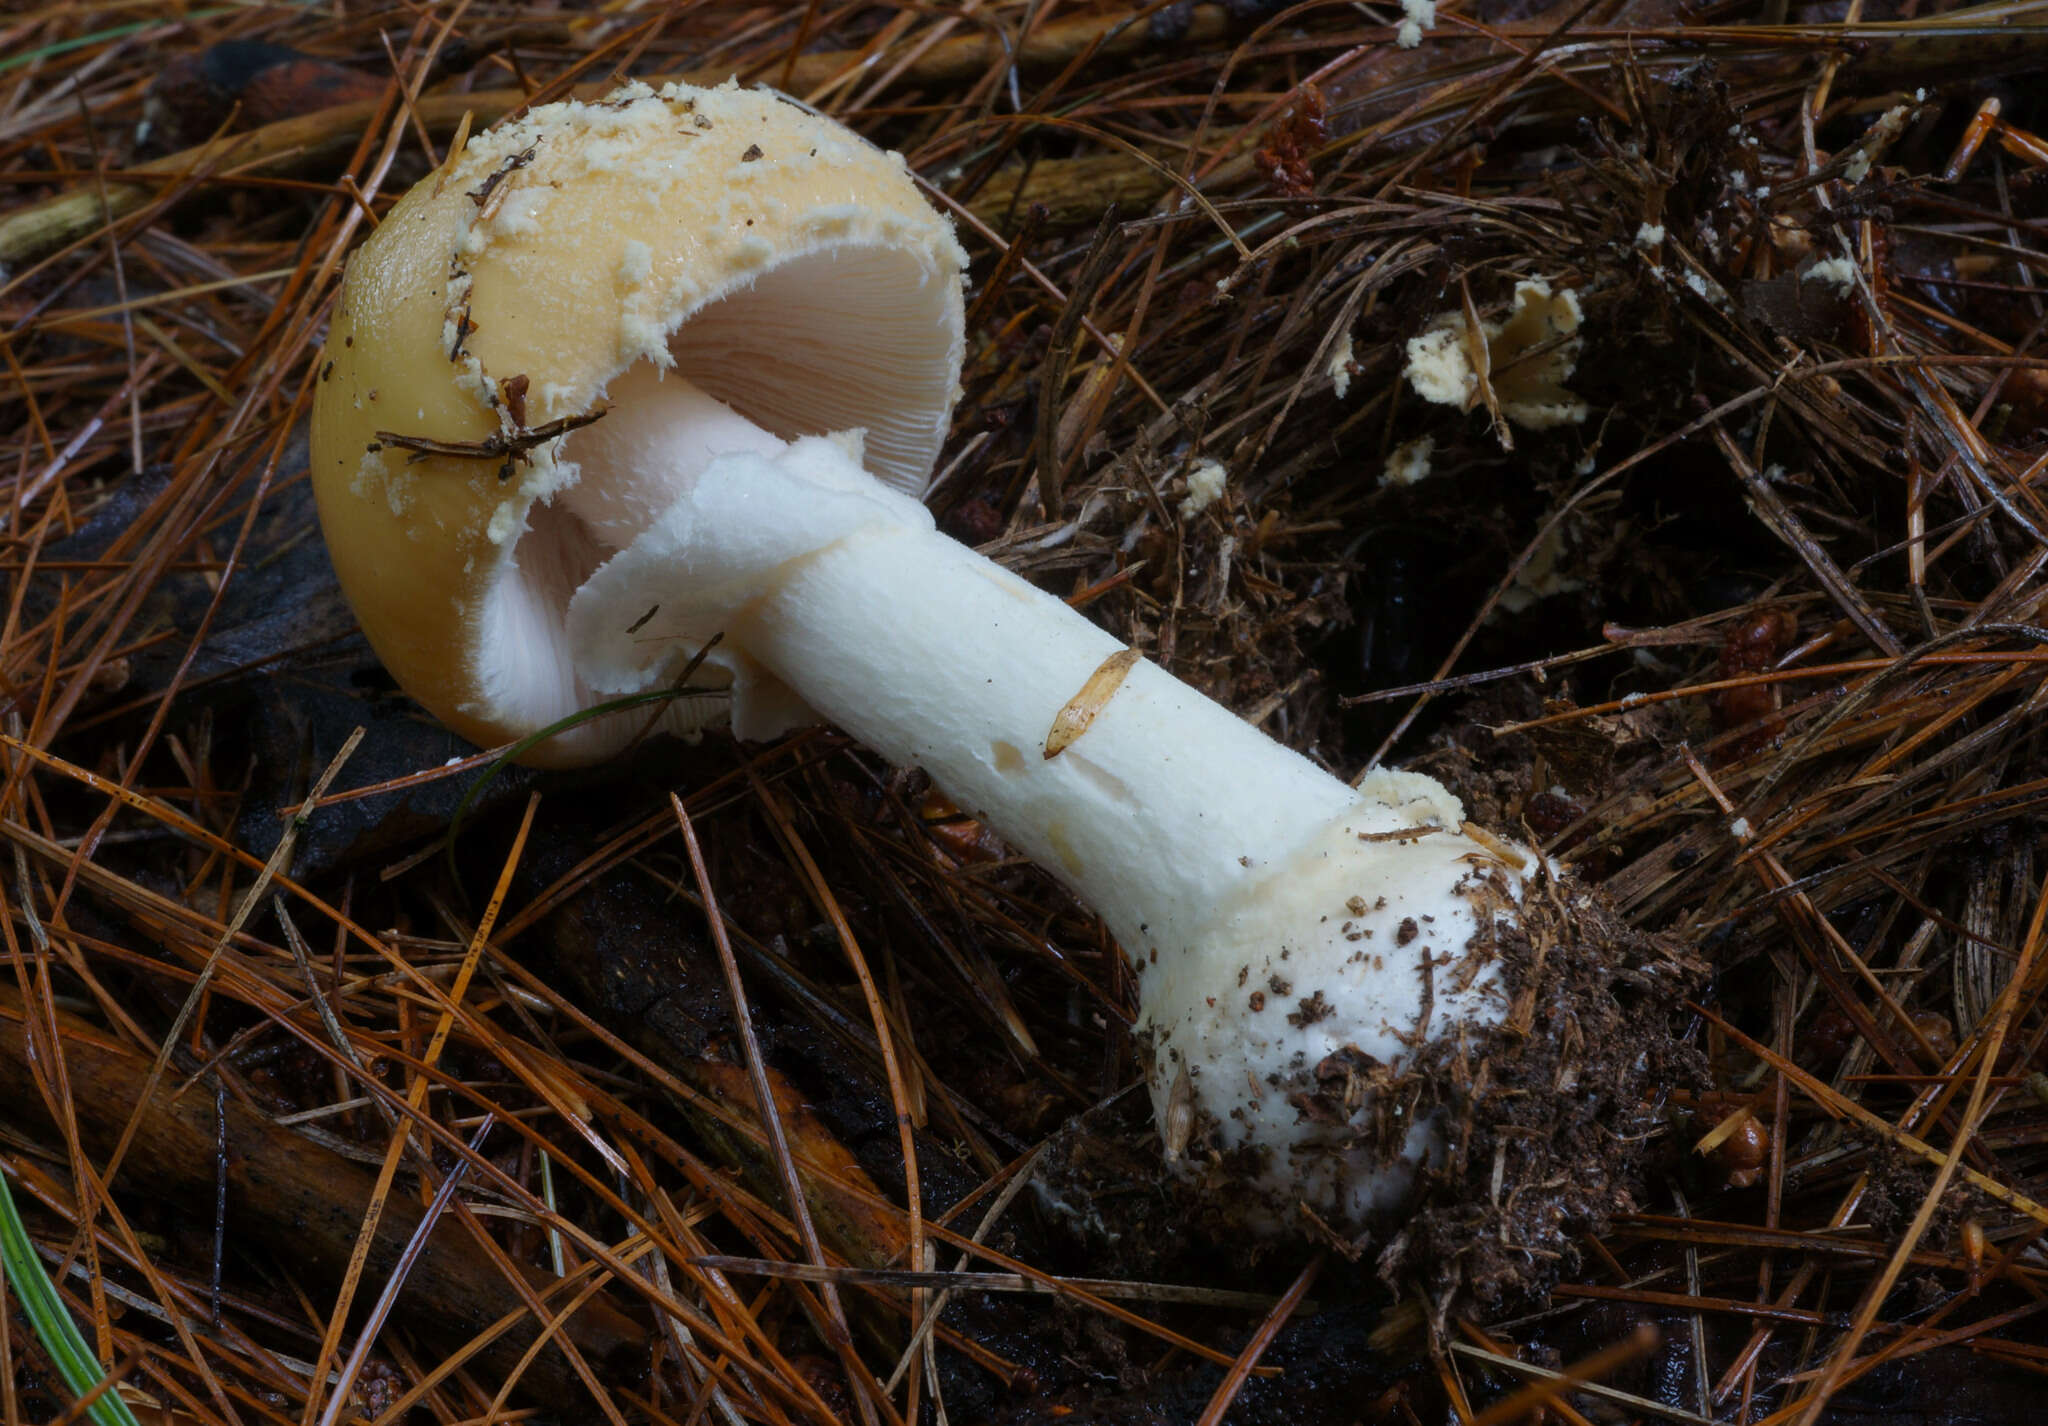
(534, 740)
(113, 32)
(52, 1323)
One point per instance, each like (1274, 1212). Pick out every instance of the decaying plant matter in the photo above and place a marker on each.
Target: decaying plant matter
(797, 1098)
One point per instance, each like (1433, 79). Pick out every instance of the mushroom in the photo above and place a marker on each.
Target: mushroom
(622, 376)
(1527, 358)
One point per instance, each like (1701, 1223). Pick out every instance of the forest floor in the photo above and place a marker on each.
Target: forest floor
(1723, 583)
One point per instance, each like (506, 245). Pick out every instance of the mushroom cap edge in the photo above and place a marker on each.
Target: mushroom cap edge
(563, 248)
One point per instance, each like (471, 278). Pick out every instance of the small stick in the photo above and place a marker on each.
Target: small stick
(769, 1114)
(1552, 1385)
(1234, 1379)
(310, 1202)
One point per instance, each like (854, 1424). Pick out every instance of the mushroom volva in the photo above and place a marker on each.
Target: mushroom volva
(626, 375)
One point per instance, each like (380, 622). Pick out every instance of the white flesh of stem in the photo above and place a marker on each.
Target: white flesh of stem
(1233, 871)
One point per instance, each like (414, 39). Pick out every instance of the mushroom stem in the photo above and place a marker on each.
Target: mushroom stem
(533, 512)
(1277, 916)
(1162, 807)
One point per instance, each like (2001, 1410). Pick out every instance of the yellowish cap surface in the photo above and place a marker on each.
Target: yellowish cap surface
(780, 262)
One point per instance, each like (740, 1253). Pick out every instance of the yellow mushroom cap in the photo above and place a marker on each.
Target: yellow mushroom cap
(783, 264)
